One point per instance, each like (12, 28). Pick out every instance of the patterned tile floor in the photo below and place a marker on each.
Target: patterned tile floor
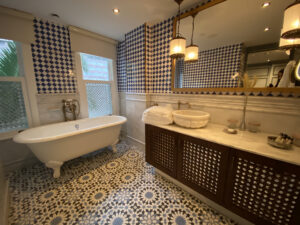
(104, 188)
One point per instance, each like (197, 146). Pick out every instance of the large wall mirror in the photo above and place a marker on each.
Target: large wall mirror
(236, 36)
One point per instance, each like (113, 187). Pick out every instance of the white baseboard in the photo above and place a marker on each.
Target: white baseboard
(5, 207)
(209, 202)
(136, 142)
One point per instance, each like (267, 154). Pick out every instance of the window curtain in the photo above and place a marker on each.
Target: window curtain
(16, 25)
(92, 43)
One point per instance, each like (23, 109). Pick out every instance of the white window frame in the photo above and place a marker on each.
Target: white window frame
(84, 111)
(29, 89)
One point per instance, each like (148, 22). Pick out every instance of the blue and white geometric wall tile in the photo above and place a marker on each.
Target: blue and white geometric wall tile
(52, 58)
(121, 66)
(135, 60)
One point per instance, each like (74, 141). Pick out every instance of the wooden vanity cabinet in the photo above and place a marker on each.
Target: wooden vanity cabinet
(161, 149)
(260, 189)
(203, 165)
(263, 190)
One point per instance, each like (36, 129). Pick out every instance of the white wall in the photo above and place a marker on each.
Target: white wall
(45, 108)
(132, 107)
(274, 113)
(14, 156)
(2, 193)
(50, 107)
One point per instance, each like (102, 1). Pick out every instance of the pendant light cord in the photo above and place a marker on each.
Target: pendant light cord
(178, 14)
(193, 30)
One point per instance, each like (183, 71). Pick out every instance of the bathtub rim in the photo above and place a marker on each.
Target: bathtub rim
(18, 138)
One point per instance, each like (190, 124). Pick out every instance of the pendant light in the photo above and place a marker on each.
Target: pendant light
(288, 44)
(192, 51)
(177, 44)
(291, 21)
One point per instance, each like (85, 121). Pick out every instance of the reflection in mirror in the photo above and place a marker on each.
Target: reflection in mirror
(267, 66)
(225, 33)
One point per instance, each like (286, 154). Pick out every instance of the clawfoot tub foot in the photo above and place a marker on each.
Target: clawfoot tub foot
(55, 165)
(114, 146)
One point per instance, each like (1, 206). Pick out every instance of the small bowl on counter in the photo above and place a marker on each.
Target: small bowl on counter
(253, 126)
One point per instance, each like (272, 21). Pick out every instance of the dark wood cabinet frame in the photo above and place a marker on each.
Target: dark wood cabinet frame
(259, 189)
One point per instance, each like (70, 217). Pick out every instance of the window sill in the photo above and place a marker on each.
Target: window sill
(8, 135)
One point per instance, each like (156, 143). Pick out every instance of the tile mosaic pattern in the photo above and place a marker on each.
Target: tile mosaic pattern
(214, 68)
(121, 67)
(158, 65)
(52, 58)
(135, 60)
(161, 61)
(104, 188)
(149, 59)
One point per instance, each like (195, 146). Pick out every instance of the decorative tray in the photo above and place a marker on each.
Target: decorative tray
(271, 141)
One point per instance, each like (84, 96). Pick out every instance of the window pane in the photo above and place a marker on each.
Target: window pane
(12, 108)
(8, 58)
(94, 67)
(99, 99)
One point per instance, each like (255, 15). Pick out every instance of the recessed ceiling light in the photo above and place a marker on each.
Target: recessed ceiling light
(116, 11)
(266, 29)
(265, 5)
(54, 15)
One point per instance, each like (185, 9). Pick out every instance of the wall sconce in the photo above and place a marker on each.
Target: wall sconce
(291, 21)
(192, 51)
(177, 44)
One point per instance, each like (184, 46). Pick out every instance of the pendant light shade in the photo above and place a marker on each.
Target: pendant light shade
(191, 53)
(177, 47)
(289, 43)
(177, 44)
(291, 21)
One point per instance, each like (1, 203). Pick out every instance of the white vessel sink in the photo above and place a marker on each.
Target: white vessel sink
(191, 118)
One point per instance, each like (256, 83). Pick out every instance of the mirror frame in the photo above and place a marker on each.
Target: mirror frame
(237, 89)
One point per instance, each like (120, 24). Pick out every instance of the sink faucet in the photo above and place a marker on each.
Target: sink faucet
(183, 103)
(243, 122)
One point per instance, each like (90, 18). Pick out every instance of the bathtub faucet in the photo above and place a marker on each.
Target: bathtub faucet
(71, 106)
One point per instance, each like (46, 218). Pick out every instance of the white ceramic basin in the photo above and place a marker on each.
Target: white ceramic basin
(191, 118)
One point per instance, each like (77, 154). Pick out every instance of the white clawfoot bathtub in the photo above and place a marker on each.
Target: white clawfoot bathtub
(56, 143)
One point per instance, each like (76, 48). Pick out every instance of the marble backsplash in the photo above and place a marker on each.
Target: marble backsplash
(275, 114)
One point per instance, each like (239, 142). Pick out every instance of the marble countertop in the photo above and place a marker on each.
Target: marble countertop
(244, 140)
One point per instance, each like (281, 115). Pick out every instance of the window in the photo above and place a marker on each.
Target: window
(96, 85)
(13, 110)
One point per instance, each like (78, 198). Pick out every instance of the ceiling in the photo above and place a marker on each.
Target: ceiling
(236, 21)
(267, 57)
(97, 15)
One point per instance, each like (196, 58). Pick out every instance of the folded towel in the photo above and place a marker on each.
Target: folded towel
(161, 115)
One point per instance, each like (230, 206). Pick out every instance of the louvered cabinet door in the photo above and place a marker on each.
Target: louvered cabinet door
(202, 165)
(263, 190)
(161, 149)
